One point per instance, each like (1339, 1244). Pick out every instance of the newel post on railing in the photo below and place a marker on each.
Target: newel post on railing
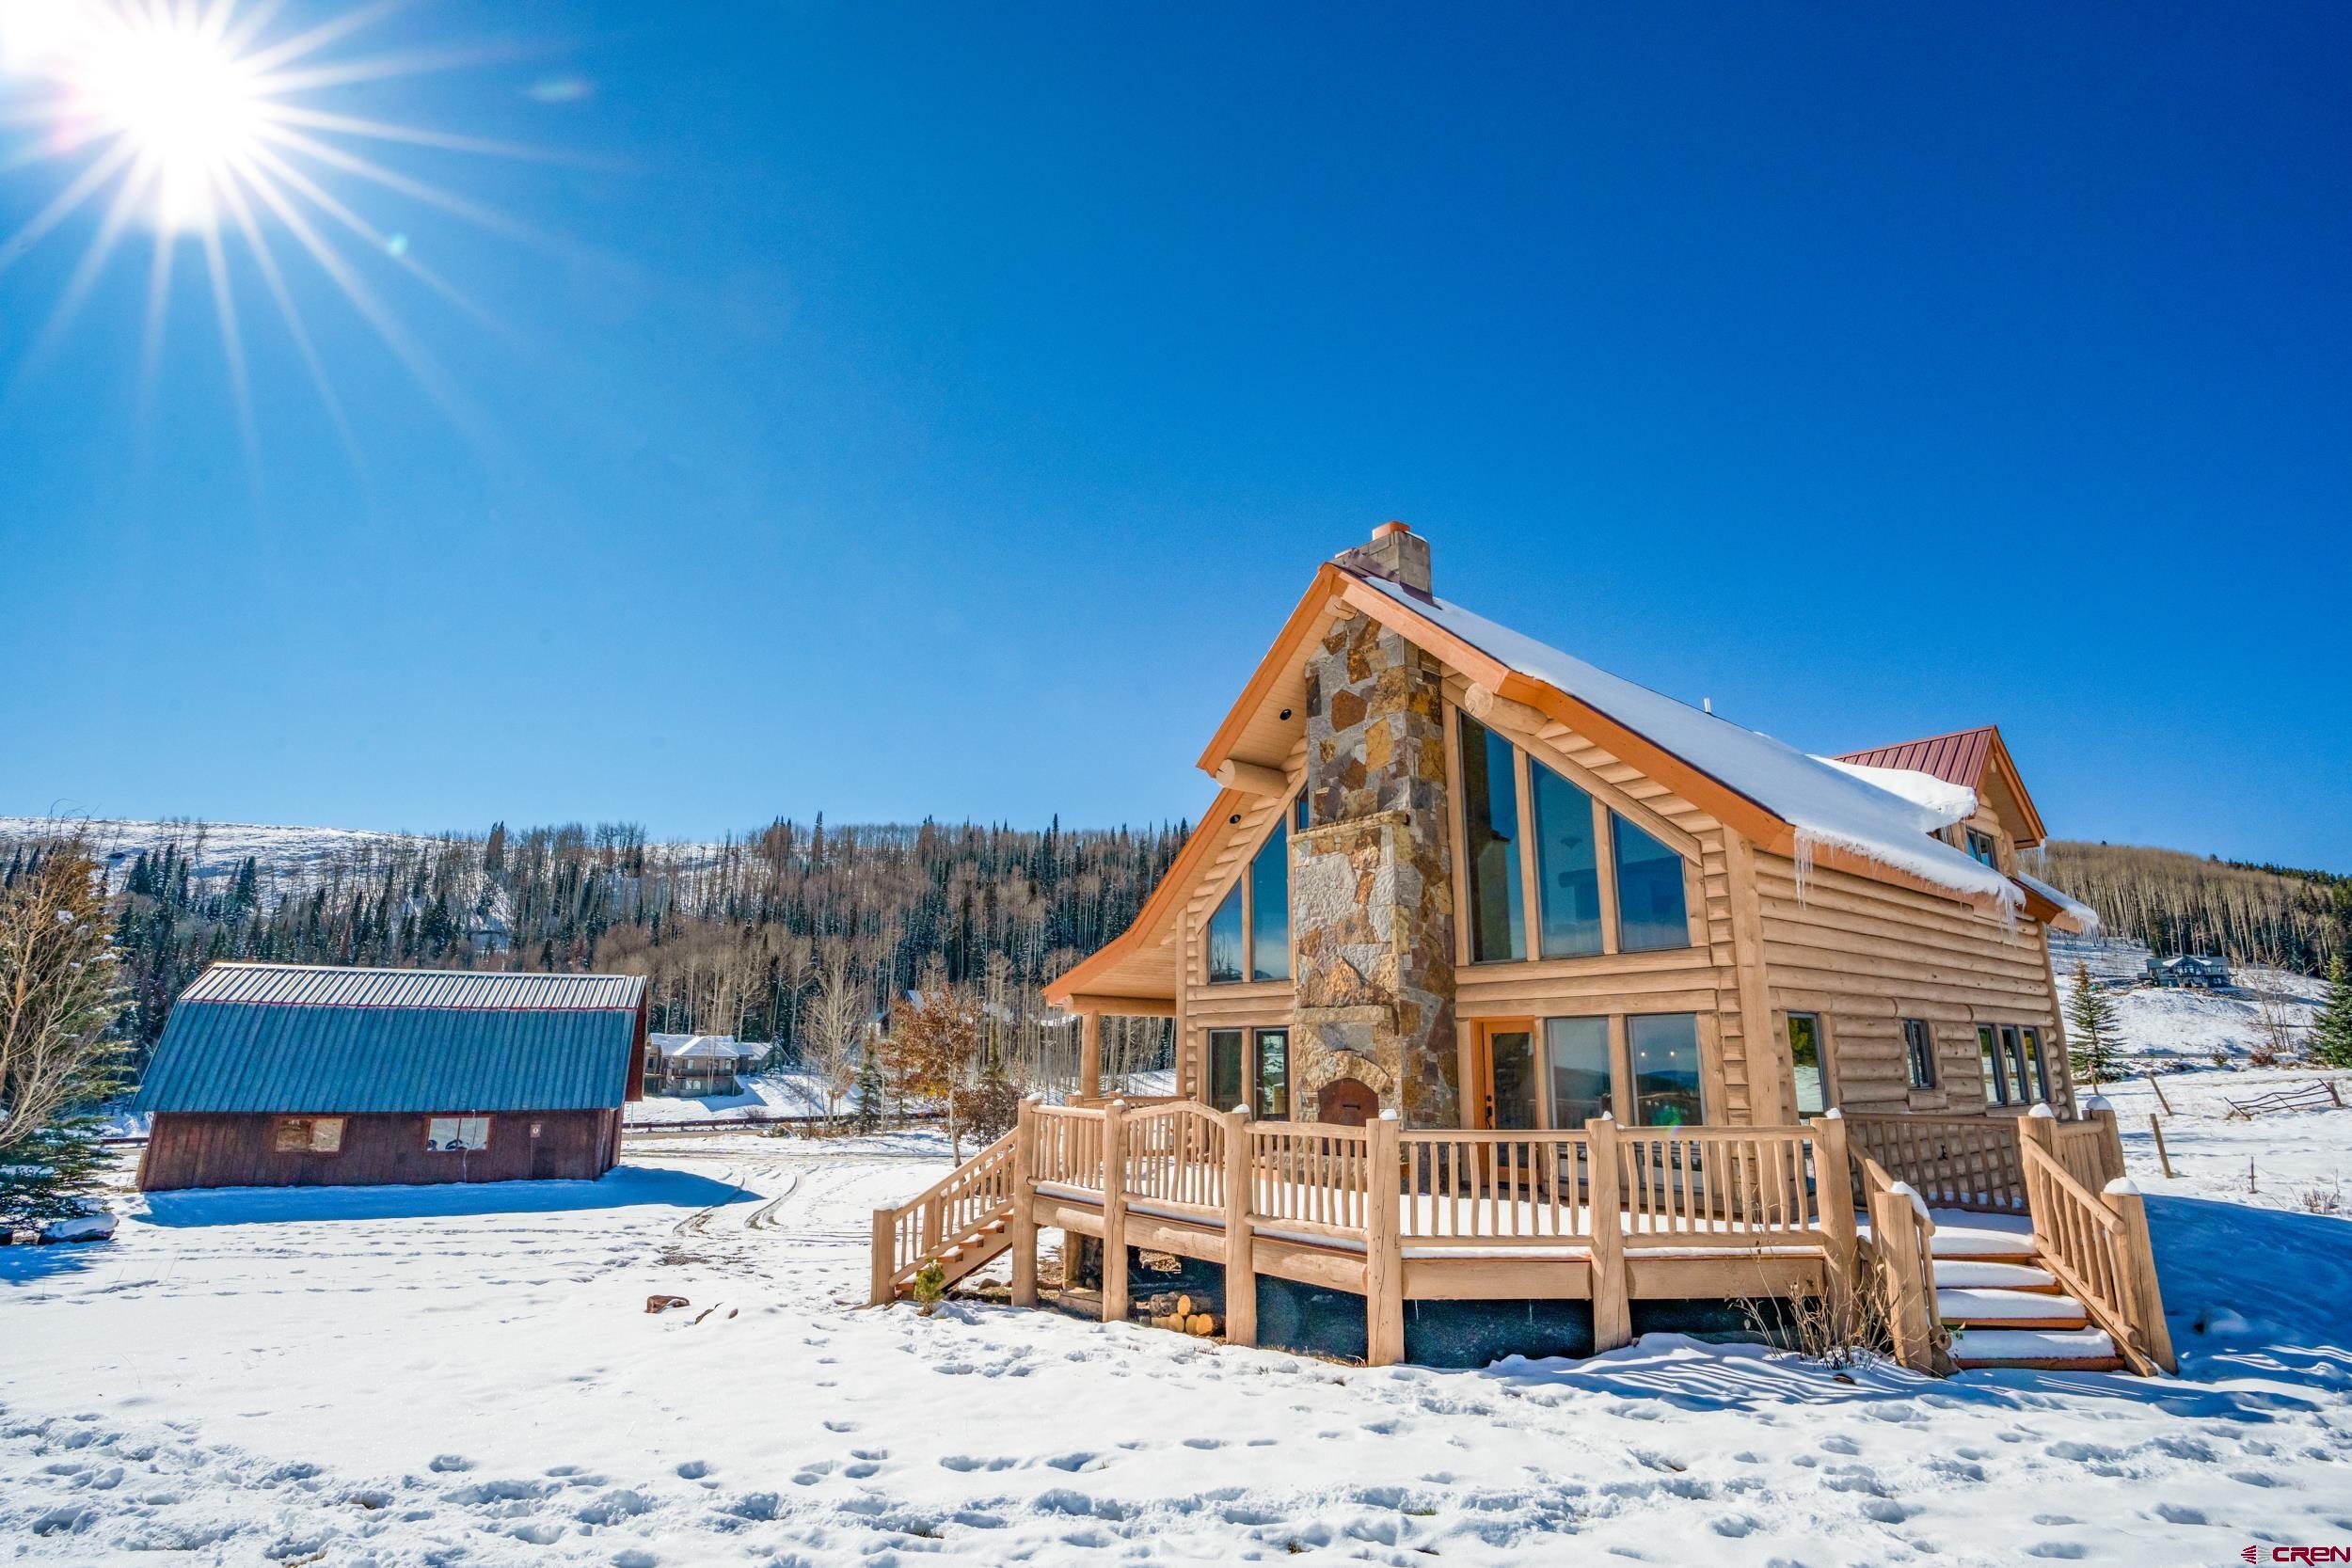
(1022, 1223)
(1241, 1263)
(2039, 1127)
(1612, 1311)
(2099, 1110)
(885, 1285)
(1384, 1247)
(2144, 1309)
(1833, 1196)
(1896, 1218)
(1114, 1212)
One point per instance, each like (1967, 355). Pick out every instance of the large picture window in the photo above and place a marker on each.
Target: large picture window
(1228, 1090)
(1651, 912)
(1664, 1048)
(1490, 840)
(1576, 1052)
(1568, 867)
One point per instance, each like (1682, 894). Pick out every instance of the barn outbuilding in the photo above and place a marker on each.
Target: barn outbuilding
(279, 1075)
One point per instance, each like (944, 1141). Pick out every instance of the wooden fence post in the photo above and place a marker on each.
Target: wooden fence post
(1612, 1312)
(885, 1289)
(1114, 1212)
(2156, 1127)
(1384, 1254)
(1240, 1266)
(1832, 1194)
(1895, 1236)
(2037, 1126)
(2159, 1088)
(1024, 1222)
(2146, 1303)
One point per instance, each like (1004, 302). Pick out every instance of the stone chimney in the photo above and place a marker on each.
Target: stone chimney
(1372, 875)
(1396, 552)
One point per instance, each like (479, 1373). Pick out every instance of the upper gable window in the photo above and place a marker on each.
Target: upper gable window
(1270, 905)
(1651, 910)
(1490, 837)
(1640, 905)
(1568, 867)
(1249, 932)
(1225, 938)
(1985, 848)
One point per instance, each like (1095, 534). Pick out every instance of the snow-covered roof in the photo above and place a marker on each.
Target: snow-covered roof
(1951, 802)
(2088, 918)
(701, 1048)
(1825, 804)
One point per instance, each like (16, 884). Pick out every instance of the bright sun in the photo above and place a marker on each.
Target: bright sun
(192, 111)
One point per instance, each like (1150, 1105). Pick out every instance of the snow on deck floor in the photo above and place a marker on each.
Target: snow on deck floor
(468, 1377)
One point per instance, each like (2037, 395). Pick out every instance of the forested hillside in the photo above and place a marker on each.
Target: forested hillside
(2180, 903)
(759, 937)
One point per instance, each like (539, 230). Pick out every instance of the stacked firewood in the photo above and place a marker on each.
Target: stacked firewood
(1184, 1313)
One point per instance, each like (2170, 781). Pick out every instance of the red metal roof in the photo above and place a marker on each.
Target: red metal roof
(1955, 758)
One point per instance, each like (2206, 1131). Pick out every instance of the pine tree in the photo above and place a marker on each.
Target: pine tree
(870, 1087)
(2093, 1029)
(2331, 1032)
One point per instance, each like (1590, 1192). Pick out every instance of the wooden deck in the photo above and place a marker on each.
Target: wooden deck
(1607, 1214)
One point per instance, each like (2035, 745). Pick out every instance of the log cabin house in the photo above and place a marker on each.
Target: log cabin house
(1627, 1001)
(279, 1075)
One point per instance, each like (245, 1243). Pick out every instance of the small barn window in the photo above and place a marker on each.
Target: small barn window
(309, 1134)
(457, 1134)
(1982, 846)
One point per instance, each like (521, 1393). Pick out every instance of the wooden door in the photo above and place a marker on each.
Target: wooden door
(1510, 1084)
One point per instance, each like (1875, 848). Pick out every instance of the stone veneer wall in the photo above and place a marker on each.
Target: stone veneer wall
(1371, 881)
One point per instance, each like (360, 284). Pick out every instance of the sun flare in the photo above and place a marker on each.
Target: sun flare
(214, 125)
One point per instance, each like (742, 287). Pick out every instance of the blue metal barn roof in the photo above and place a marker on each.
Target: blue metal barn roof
(290, 1038)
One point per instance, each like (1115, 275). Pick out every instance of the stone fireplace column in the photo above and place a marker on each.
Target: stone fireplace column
(1372, 877)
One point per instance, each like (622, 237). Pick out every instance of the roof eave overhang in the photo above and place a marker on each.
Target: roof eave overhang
(1085, 977)
(1998, 758)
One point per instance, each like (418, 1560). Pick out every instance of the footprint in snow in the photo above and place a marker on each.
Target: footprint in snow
(446, 1463)
(693, 1470)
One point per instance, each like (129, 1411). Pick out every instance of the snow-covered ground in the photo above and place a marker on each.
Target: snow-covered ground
(469, 1376)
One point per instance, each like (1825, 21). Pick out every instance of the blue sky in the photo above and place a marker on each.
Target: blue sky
(893, 412)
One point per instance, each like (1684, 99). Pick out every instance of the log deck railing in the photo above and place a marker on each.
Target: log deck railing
(2097, 1244)
(1606, 1214)
(1603, 1213)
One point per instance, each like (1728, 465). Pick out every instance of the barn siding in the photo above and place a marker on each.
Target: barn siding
(198, 1149)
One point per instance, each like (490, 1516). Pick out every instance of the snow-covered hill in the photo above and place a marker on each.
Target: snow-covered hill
(295, 855)
(2165, 1030)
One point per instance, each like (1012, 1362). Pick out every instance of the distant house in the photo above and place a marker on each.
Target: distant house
(2191, 969)
(282, 1075)
(694, 1065)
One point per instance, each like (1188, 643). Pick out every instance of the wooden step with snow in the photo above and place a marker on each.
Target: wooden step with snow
(2079, 1350)
(1961, 1235)
(1976, 1274)
(2008, 1308)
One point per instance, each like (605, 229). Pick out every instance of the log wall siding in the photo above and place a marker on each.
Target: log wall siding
(1865, 956)
(187, 1150)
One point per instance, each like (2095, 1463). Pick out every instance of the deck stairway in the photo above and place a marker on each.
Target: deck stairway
(960, 1223)
(2002, 1307)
